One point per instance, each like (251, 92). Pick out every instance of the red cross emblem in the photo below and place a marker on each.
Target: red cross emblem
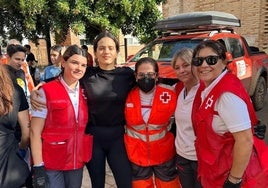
(209, 102)
(165, 97)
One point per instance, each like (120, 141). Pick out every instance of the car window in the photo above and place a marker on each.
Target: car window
(236, 48)
(164, 50)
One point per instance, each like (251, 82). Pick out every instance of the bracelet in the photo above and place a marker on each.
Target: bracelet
(38, 165)
(238, 180)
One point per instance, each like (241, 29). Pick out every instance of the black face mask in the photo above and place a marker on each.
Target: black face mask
(146, 84)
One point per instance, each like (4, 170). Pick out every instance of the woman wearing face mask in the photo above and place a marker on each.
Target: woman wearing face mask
(223, 125)
(150, 146)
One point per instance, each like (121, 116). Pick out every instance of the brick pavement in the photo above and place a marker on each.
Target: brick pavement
(109, 179)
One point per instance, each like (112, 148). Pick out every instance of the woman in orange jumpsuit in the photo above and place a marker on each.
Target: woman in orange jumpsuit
(150, 145)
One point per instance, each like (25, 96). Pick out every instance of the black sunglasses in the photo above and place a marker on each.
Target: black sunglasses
(211, 60)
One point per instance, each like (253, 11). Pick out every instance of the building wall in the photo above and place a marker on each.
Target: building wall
(40, 52)
(253, 15)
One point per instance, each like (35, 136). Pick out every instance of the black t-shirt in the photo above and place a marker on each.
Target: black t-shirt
(11, 162)
(106, 93)
(19, 104)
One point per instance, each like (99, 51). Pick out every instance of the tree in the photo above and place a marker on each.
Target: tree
(37, 18)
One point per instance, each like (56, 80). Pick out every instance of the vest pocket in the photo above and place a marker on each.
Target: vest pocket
(55, 151)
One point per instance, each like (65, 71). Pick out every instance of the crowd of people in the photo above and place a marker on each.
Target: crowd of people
(83, 116)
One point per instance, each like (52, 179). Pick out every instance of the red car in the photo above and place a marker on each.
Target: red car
(189, 29)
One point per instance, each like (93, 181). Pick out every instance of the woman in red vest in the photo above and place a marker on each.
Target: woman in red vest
(59, 145)
(223, 120)
(150, 145)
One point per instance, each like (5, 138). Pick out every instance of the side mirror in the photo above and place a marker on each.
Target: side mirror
(229, 57)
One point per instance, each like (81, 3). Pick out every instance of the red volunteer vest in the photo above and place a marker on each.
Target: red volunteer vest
(65, 145)
(150, 143)
(214, 151)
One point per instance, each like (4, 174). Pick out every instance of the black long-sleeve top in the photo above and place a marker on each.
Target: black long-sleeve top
(106, 92)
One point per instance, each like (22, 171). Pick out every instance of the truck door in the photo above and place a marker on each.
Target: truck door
(241, 65)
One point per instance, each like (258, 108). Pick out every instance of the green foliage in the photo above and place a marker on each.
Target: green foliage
(37, 18)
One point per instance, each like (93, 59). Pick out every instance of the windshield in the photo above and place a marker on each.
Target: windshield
(164, 50)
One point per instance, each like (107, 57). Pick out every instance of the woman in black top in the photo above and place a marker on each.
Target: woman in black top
(107, 87)
(13, 107)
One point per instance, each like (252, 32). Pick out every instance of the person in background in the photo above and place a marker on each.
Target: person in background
(150, 145)
(89, 56)
(16, 55)
(13, 108)
(53, 70)
(19, 72)
(106, 88)
(30, 59)
(223, 120)
(59, 145)
(186, 90)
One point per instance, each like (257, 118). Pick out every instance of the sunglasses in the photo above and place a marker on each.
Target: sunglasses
(211, 60)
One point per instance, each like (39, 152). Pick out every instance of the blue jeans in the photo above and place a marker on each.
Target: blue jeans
(65, 179)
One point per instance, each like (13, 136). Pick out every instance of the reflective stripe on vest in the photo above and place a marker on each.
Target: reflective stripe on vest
(133, 132)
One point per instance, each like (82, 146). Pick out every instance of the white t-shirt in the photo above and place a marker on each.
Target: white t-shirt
(185, 136)
(233, 113)
(146, 104)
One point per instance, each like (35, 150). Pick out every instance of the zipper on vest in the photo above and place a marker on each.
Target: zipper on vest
(147, 143)
(75, 146)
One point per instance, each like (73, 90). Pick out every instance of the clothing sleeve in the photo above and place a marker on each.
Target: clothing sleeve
(23, 101)
(233, 114)
(40, 113)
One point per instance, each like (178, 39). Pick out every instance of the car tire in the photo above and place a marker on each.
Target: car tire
(259, 94)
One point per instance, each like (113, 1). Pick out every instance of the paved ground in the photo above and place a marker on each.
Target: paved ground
(109, 181)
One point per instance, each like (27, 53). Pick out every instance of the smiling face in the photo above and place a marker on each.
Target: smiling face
(106, 53)
(55, 57)
(74, 68)
(208, 73)
(184, 71)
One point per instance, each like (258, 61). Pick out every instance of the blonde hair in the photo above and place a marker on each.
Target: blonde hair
(6, 91)
(186, 54)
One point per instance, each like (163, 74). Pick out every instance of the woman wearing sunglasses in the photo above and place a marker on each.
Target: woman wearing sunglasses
(149, 144)
(223, 123)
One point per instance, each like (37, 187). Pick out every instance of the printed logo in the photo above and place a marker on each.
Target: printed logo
(209, 102)
(165, 97)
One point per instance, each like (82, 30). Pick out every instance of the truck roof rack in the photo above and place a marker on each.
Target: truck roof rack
(198, 21)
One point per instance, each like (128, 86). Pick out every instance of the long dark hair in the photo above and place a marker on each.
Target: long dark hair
(6, 91)
(147, 60)
(216, 46)
(102, 35)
